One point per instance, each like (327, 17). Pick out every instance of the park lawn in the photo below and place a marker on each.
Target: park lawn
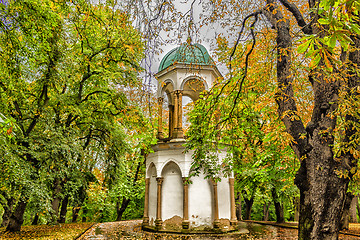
(60, 231)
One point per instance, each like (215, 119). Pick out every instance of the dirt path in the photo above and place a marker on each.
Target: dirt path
(114, 230)
(248, 231)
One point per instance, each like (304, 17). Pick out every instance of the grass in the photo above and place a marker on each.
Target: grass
(60, 231)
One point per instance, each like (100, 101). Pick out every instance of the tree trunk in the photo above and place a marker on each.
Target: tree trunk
(238, 206)
(36, 219)
(279, 209)
(322, 191)
(63, 210)
(8, 208)
(296, 208)
(17, 217)
(125, 202)
(75, 213)
(55, 203)
(358, 208)
(248, 207)
(346, 213)
(85, 212)
(266, 211)
(353, 214)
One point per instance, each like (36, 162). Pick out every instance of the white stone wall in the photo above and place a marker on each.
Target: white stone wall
(201, 203)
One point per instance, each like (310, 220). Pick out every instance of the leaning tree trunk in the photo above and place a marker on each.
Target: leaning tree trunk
(17, 217)
(322, 191)
(8, 208)
(121, 209)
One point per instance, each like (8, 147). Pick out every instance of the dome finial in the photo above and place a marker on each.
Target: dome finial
(189, 40)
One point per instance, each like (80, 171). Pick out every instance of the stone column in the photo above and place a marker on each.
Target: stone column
(158, 221)
(171, 121)
(146, 204)
(160, 108)
(178, 132)
(180, 110)
(175, 115)
(233, 220)
(185, 223)
(216, 205)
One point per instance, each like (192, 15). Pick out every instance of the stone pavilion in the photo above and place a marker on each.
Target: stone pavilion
(171, 204)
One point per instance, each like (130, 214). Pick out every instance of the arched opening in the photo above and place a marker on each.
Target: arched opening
(193, 87)
(166, 110)
(151, 173)
(172, 191)
(187, 106)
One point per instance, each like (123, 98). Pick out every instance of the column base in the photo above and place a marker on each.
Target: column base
(185, 224)
(178, 133)
(233, 222)
(158, 224)
(216, 224)
(145, 221)
(160, 135)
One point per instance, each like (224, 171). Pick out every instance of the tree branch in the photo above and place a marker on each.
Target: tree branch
(87, 96)
(285, 96)
(305, 28)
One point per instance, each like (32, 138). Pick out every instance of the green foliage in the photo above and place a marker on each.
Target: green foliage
(242, 119)
(337, 22)
(66, 67)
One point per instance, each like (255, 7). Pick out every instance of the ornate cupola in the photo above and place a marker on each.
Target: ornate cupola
(184, 71)
(171, 201)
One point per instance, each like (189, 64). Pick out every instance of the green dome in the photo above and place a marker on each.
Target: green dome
(188, 54)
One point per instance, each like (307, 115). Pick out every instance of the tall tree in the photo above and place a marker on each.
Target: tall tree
(64, 67)
(327, 145)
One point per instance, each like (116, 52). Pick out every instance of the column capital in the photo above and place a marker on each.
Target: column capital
(214, 182)
(178, 92)
(185, 180)
(159, 180)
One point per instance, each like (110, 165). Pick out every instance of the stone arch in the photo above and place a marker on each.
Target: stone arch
(172, 191)
(161, 170)
(167, 87)
(166, 97)
(194, 77)
(149, 168)
(192, 86)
